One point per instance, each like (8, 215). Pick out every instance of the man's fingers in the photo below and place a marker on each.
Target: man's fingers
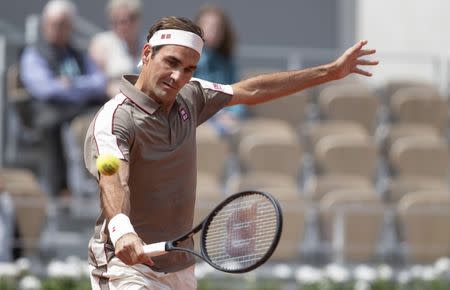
(366, 62)
(145, 259)
(125, 258)
(362, 72)
(363, 52)
(360, 43)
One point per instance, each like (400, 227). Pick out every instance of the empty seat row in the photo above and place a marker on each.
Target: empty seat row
(350, 225)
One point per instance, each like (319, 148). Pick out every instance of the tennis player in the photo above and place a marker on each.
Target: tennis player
(151, 127)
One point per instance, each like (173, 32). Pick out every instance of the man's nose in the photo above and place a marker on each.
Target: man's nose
(177, 75)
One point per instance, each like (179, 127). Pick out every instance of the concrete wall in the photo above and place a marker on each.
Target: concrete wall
(302, 23)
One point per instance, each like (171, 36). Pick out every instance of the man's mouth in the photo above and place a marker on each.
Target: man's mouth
(170, 86)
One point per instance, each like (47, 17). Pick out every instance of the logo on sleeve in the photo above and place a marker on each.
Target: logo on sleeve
(217, 87)
(183, 114)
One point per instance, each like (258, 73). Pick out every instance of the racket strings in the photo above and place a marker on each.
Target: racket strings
(242, 232)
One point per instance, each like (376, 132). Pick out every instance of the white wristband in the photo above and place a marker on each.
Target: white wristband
(118, 226)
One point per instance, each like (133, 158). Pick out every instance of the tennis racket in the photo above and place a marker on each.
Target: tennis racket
(240, 234)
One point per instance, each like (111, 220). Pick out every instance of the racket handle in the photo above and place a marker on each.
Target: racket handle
(155, 249)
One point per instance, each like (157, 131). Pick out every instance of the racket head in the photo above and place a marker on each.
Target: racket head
(242, 232)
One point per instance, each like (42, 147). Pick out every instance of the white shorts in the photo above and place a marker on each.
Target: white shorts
(119, 276)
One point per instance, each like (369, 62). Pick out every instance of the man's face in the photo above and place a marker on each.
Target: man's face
(57, 28)
(169, 70)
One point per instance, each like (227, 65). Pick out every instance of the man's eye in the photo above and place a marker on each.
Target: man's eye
(172, 63)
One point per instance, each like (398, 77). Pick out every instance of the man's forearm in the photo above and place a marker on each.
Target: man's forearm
(270, 86)
(266, 87)
(115, 193)
(114, 197)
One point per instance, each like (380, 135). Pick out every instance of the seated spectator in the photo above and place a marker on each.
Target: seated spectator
(63, 82)
(217, 62)
(118, 50)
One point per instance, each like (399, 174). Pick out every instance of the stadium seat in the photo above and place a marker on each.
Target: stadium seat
(24, 140)
(400, 186)
(257, 180)
(351, 224)
(418, 156)
(291, 109)
(271, 151)
(294, 226)
(419, 106)
(81, 183)
(423, 218)
(350, 102)
(393, 85)
(396, 131)
(346, 155)
(318, 186)
(30, 204)
(315, 131)
(212, 152)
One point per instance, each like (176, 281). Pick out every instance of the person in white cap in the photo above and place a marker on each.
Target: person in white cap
(151, 127)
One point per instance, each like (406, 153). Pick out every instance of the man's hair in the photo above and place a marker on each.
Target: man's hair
(133, 5)
(174, 22)
(59, 6)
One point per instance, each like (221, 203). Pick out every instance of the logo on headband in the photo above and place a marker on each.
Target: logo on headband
(166, 36)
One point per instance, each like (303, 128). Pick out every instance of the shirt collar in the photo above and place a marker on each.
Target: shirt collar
(143, 101)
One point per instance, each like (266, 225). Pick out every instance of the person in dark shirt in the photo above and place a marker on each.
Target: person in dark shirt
(217, 63)
(63, 83)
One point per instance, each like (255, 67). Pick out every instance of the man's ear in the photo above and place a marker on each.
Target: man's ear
(146, 53)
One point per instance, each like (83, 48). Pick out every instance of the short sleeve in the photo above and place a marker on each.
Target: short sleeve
(111, 132)
(208, 98)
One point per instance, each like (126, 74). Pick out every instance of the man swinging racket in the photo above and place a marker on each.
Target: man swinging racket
(151, 127)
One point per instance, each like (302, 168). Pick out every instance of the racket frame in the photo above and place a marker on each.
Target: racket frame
(203, 226)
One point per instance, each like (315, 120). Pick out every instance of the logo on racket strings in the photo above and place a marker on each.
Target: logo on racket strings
(241, 228)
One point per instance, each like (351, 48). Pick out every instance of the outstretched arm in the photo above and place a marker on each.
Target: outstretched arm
(270, 86)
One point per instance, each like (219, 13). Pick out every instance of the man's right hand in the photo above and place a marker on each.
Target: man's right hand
(129, 249)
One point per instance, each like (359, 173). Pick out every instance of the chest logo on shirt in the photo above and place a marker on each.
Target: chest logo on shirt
(183, 114)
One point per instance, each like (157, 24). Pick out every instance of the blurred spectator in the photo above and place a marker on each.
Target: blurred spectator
(118, 50)
(217, 62)
(63, 82)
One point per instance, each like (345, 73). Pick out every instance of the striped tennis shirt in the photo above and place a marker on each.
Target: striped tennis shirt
(161, 152)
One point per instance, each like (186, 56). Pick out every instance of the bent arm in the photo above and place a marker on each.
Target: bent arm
(270, 86)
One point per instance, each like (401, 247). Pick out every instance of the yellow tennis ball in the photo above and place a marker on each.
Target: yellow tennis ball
(107, 164)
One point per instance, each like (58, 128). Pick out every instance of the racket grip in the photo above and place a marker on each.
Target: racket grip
(155, 249)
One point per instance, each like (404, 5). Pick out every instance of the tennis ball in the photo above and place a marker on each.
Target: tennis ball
(107, 164)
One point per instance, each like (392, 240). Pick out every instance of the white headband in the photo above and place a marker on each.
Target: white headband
(176, 37)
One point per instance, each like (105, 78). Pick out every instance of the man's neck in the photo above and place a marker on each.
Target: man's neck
(165, 105)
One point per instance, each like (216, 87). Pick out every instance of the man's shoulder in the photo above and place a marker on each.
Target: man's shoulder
(207, 85)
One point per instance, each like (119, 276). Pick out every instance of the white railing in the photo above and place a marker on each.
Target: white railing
(2, 97)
